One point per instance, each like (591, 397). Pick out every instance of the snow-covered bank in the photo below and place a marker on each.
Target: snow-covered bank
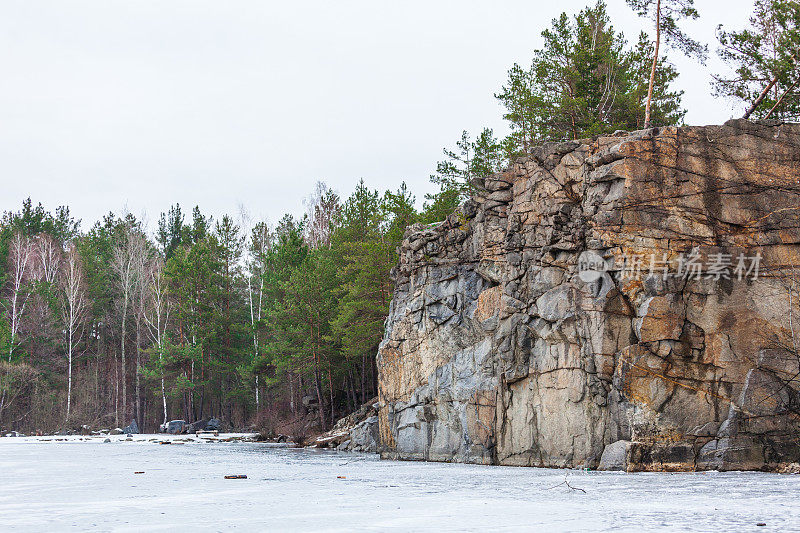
(139, 437)
(93, 486)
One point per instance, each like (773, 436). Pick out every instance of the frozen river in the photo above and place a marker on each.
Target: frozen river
(91, 486)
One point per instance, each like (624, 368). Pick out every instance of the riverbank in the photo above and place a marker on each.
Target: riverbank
(147, 438)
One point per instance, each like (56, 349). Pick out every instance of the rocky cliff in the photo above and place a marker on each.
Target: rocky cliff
(621, 302)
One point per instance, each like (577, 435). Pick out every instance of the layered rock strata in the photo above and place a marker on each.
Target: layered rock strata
(521, 331)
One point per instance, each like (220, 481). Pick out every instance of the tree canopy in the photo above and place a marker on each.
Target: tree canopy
(765, 59)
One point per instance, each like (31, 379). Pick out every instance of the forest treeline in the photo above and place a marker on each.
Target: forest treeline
(253, 322)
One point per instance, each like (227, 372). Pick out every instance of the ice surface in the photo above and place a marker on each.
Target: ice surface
(91, 486)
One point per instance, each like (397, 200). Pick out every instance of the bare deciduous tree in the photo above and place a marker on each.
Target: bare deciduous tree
(141, 290)
(48, 254)
(125, 263)
(665, 15)
(322, 207)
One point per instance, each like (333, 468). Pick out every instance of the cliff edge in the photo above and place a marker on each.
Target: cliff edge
(626, 302)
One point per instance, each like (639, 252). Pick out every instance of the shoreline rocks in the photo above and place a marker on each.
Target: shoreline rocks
(357, 432)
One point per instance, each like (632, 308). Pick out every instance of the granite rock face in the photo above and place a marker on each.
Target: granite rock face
(521, 331)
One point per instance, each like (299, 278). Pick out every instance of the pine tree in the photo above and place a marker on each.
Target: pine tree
(194, 274)
(585, 82)
(309, 307)
(766, 60)
(366, 258)
(665, 15)
(399, 207)
(287, 251)
(458, 174)
(171, 231)
(232, 332)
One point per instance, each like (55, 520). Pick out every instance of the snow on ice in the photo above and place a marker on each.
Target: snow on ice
(90, 485)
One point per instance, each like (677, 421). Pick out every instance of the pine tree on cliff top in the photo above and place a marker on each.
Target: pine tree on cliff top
(456, 174)
(584, 81)
(665, 15)
(766, 61)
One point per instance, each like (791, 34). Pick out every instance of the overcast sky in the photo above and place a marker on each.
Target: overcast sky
(110, 104)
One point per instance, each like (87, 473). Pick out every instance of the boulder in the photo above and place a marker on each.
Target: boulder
(176, 427)
(199, 425)
(208, 424)
(357, 431)
(615, 456)
(364, 437)
(116, 431)
(133, 428)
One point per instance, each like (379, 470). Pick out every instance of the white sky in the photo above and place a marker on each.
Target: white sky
(108, 104)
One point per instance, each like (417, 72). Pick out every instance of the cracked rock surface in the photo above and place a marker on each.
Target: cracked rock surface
(497, 352)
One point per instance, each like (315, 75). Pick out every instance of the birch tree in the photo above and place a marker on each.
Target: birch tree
(42, 316)
(322, 207)
(19, 266)
(141, 289)
(156, 315)
(255, 258)
(73, 307)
